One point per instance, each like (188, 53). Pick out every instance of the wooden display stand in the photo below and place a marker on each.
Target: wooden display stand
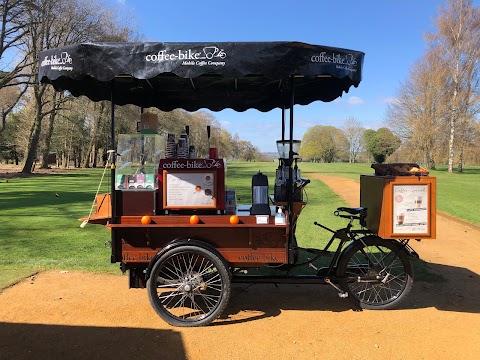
(135, 202)
(400, 207)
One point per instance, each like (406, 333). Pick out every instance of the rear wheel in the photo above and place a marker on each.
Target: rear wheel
(189, 286)
(376, 273)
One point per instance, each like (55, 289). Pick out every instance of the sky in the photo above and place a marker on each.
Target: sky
(390, 33)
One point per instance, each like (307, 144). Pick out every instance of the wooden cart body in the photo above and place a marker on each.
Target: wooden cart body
(243, 245)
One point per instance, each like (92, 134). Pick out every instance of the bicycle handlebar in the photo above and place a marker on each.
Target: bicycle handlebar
(302, 183)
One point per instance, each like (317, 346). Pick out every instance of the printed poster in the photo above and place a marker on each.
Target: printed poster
(190, 189)
(410, 209)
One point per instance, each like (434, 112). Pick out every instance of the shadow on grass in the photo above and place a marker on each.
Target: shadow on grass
(446, 288)
(45, 199)
(39, 341)
(63, 173)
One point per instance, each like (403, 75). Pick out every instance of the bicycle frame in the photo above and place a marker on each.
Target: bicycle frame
(344, 235)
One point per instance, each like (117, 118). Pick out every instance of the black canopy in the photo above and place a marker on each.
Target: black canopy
(191, 76)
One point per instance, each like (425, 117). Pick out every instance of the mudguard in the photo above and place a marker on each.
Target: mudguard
(401, 247)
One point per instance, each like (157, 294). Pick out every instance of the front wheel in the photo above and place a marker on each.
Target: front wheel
(376, 273)
(189, 286)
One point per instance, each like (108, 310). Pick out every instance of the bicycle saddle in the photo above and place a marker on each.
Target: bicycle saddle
(354, 211)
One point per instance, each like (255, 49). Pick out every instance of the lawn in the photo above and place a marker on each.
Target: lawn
(40, 228)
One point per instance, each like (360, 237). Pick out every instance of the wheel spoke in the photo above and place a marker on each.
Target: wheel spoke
(171, 297)
(206, 270)
(210, 300)
(169, 285)
(195, 305)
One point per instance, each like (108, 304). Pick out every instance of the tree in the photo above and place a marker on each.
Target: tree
(9, 97)
(458, 45)
(52, 24)
(381, 143)
(245, 150)
(354, 133)
(14, 27)
(417, 115)
(325, 143)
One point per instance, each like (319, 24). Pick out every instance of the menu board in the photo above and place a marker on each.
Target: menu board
(189, 190)
(410, 209)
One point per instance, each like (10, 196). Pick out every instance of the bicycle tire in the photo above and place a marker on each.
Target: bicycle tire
(376, 273)
(189, 286)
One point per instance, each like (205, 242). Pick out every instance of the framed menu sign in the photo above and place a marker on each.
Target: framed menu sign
(411, 209)
(189, 190)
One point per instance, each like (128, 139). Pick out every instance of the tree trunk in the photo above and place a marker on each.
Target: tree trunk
(460, 159)
(453, 123)
(48, 137)
(93, 138)
(4, 121)
(95, 154)
(37, 128)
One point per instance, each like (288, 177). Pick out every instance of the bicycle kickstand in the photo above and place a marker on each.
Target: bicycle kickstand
(342, 294)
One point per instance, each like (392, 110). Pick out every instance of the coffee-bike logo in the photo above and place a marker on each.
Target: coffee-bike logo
(58, 62)
(346, 61)
(193, 164)
(209, 55)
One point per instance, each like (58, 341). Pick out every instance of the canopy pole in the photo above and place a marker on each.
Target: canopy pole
(283, 122)
(291, 236)
(113, 159)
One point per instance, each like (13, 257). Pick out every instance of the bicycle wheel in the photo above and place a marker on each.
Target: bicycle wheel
(189, 286)
(376, 273)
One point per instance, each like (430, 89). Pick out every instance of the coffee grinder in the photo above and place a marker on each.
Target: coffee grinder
(283, 170)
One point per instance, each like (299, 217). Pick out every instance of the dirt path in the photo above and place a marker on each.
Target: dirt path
(79, 315)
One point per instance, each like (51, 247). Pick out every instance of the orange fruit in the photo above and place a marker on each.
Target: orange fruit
(146, 220)
(234, 219)
(194, 219)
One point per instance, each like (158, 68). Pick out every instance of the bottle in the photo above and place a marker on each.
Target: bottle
(280, 217)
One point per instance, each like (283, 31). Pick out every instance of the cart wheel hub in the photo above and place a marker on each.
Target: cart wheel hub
(188, 287)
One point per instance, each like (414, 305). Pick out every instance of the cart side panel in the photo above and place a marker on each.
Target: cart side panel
(242, 245)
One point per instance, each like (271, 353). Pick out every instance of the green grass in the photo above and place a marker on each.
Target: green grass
(458, 194)
(40, 230)
(12, 276)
